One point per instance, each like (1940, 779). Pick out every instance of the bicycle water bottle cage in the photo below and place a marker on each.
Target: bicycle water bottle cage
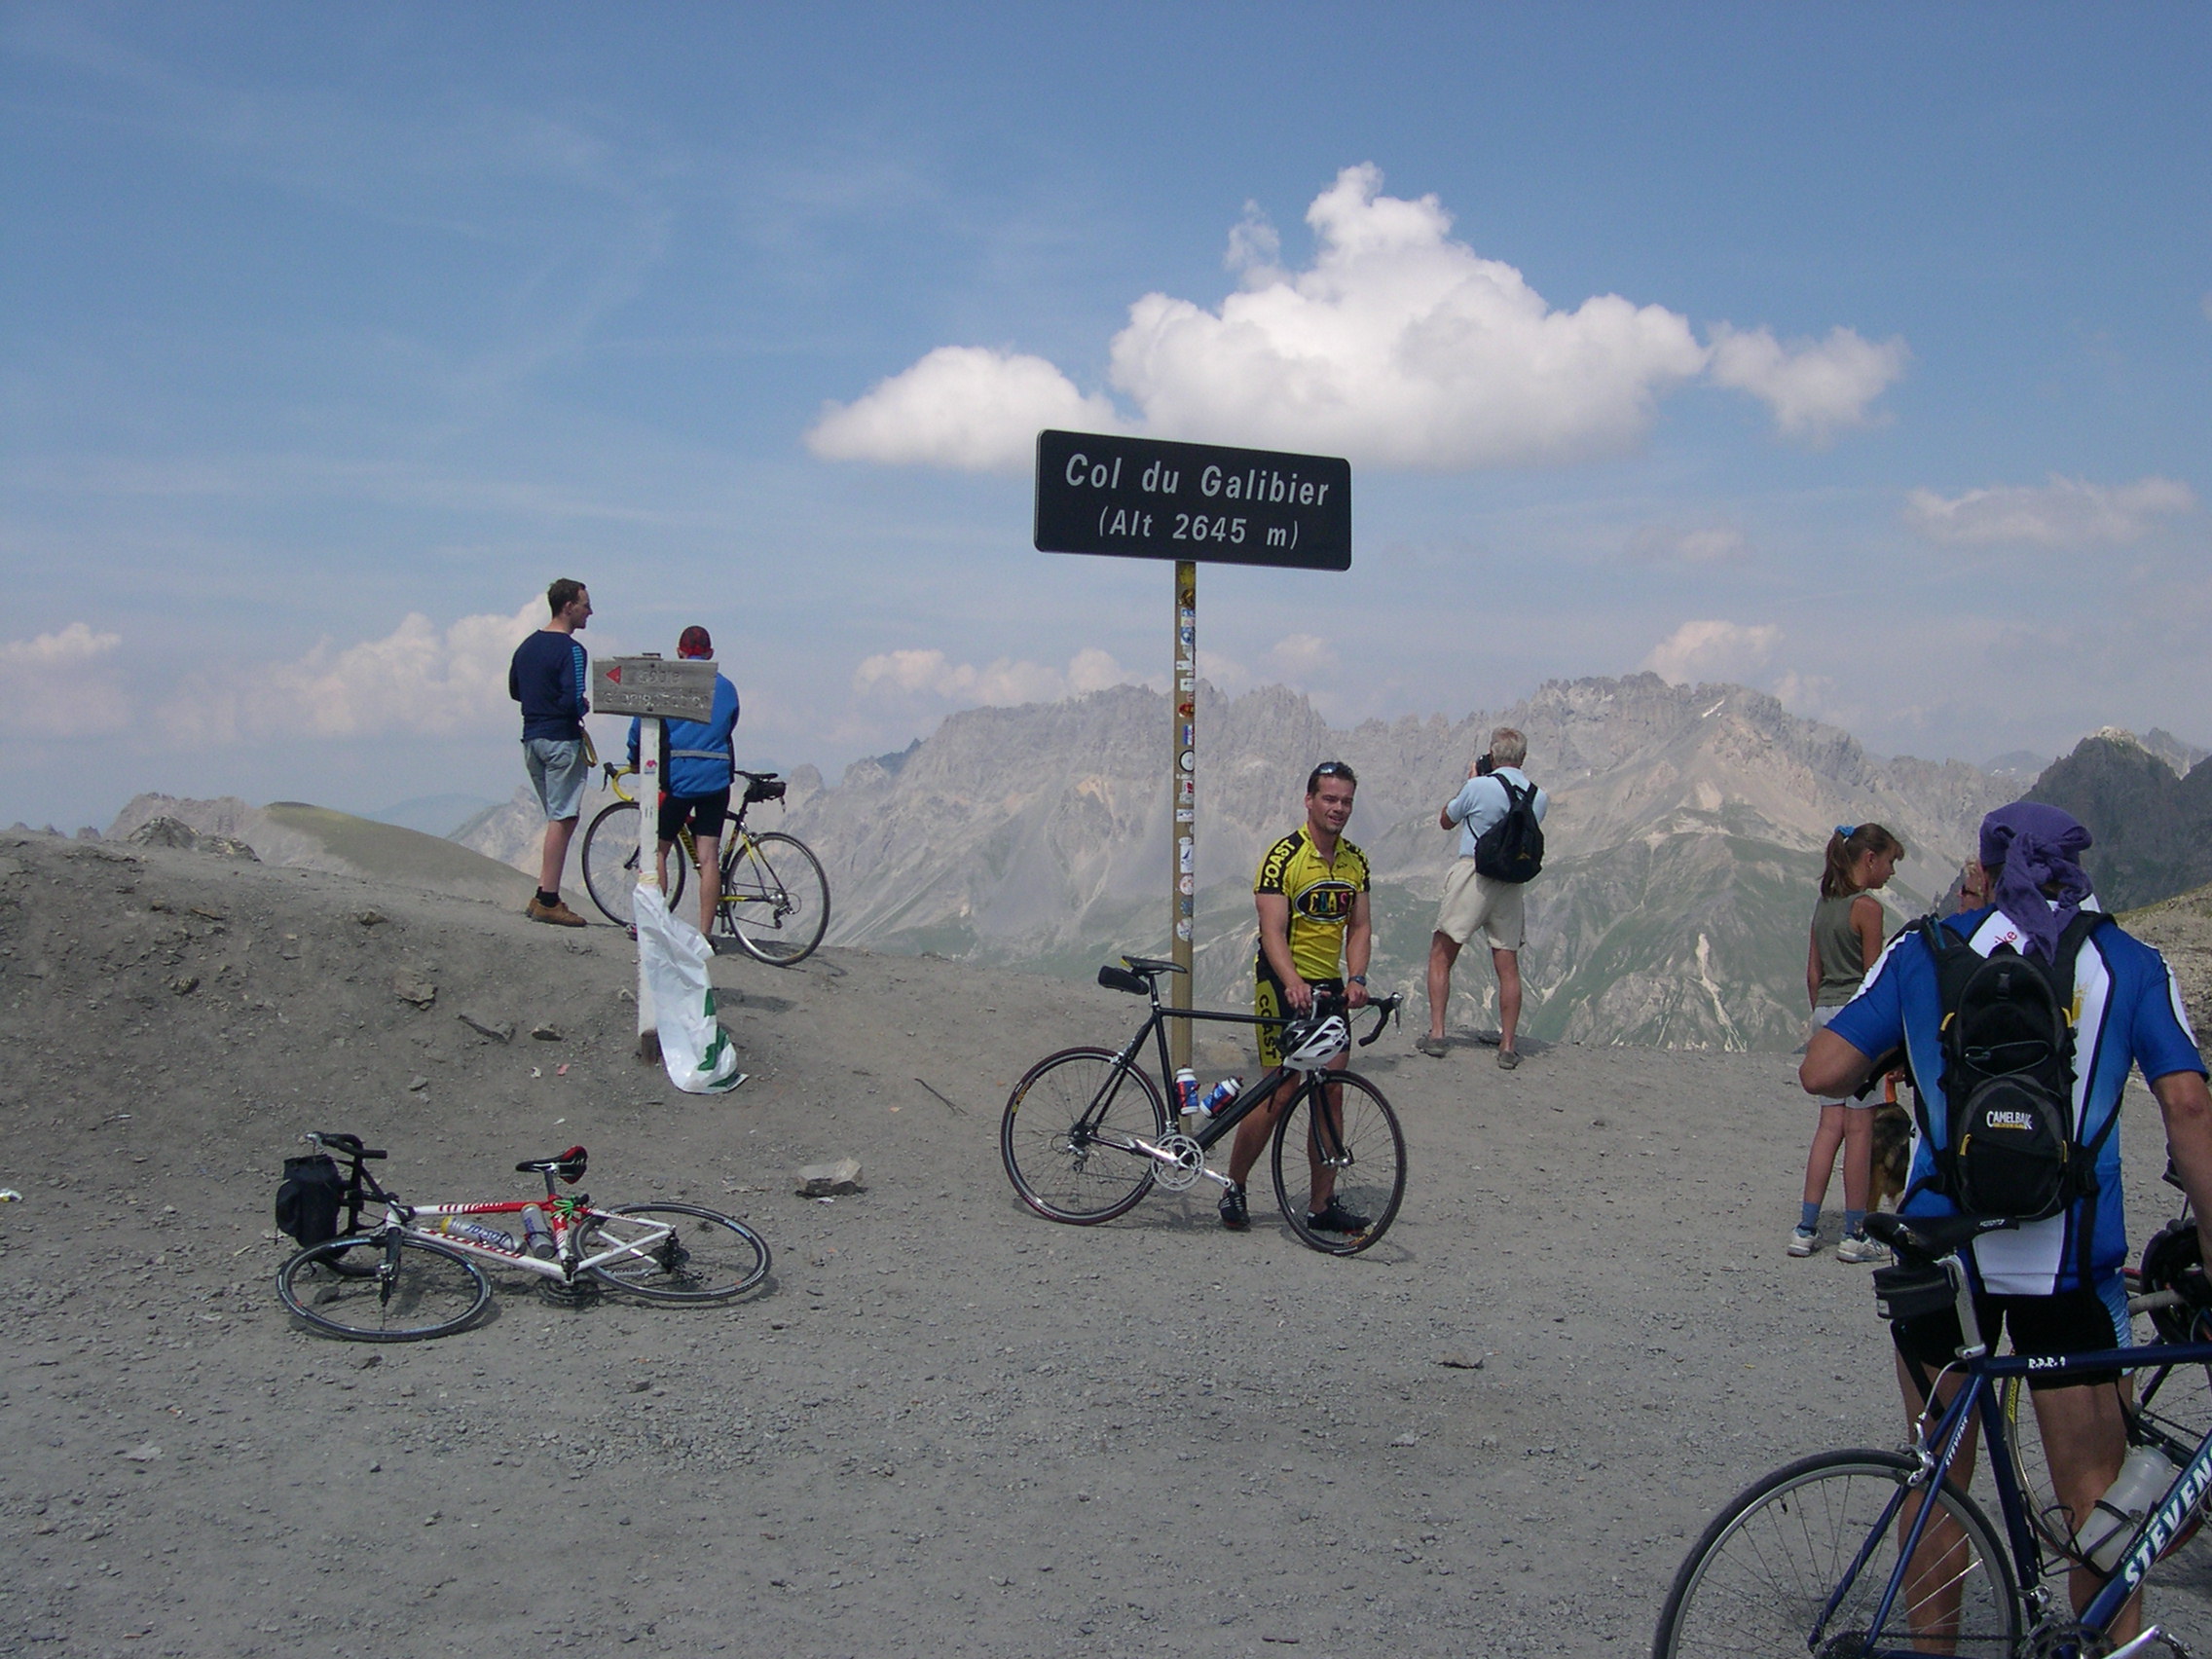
(568, 1165)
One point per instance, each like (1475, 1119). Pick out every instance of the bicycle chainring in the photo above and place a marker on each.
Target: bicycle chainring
(2065, 1635)
(1189, 1163)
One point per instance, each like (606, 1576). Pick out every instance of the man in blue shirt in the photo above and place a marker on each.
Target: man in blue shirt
(2055, 1283)
(1476, 903)
(550, 678)
(695, 784)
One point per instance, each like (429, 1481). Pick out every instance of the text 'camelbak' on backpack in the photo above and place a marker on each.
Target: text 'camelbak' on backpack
(1513, 848)
(2008, 1041)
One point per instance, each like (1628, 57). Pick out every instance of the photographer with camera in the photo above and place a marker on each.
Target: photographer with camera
(1496, 812)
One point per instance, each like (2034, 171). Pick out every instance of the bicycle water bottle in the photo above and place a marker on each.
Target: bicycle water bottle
(538, 1237)
(1218, 1096)
(476, 1232)
(2142, 1481)
(1186, 1094)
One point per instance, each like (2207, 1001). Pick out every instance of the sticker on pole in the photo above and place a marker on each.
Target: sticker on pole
(1145, 498)
(671, 689)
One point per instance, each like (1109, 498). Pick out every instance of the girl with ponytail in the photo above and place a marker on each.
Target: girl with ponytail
(1846, 939)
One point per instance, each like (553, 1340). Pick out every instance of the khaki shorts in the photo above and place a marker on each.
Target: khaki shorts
(1473, 901)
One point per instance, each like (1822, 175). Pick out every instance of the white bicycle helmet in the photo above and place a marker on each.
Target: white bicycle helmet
(1309, 1045)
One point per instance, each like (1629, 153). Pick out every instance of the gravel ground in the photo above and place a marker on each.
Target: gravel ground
(945, 1426)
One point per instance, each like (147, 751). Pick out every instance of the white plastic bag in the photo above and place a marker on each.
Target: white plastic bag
(699, 1056)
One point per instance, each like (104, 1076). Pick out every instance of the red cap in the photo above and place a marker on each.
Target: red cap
(695, 644)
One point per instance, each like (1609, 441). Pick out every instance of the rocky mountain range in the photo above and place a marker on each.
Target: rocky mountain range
(2148, 805)
(1685, 829)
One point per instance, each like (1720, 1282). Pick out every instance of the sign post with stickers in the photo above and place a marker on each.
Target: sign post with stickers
(654, 688)
(1192, 503)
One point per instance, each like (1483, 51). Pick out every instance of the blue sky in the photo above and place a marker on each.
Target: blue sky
(1855, 353)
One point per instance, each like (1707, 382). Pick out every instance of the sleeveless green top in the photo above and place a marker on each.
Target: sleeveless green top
(1837, 942)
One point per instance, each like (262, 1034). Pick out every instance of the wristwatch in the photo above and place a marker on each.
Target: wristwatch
(1359, 979)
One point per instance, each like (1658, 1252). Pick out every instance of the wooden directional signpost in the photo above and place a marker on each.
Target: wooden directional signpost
(654, 689)
(1193, 503)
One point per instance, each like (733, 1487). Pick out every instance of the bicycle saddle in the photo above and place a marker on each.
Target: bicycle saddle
(1931, 1238)
(1151, 965)
(350, 1145)
(568, 1165)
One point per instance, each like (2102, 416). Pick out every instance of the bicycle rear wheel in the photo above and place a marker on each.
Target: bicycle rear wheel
(676, 1252)
(371, 1289)
(1761, 1577)
(775, 898)
(611, 863)
(1060, 1133)
(1358, 1143)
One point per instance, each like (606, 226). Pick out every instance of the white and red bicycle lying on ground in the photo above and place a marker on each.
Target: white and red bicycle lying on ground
(399, 1272)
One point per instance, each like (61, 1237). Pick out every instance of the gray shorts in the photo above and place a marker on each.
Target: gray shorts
(558, 772)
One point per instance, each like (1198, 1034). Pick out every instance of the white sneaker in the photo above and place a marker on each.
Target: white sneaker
(1855, 1248)
(1803, 1244)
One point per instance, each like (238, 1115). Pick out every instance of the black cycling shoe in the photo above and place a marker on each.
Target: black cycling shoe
(1234, 1215)
(1337, 1219)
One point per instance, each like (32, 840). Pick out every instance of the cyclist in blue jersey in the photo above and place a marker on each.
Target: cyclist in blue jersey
(695, 782)
(550, 676)
(2054, 1284)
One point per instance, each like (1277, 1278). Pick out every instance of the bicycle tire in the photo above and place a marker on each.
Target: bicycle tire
(1761, 1574)
(1371, 1179)
(609, 861)
(1050, 1161)
(432, 1290)
(710, 1257)
(775, 898)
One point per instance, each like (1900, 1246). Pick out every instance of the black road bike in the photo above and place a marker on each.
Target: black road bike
(1088, 1132)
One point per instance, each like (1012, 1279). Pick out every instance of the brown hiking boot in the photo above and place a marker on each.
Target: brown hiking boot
(557, 912)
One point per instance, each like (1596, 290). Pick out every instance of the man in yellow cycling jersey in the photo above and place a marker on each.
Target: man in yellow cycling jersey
(1314, 937)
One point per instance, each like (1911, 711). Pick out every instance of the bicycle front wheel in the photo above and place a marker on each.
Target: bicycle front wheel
(611, 863)
(775, 898)
(1067, 1131)
(1360, 1151)
(371, 1289)
(675, 1252)
(1761, 1579)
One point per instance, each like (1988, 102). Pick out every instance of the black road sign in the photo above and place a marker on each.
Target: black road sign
(1144, 499)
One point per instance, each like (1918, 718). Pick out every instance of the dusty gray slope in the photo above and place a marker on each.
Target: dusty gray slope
(949, 1427)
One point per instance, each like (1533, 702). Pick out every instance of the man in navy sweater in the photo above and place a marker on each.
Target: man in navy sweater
(549, 678)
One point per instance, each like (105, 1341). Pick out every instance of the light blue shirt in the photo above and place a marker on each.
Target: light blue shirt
(1483, 801)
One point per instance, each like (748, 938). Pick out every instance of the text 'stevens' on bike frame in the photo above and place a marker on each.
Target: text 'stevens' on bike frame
(1145, 499)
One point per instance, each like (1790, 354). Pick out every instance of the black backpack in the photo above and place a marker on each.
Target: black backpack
(309, 1198)
(2008, 1045)
(1513, 848)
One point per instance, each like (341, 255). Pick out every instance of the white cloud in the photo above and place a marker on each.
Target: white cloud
(1713, 650)
(1302, 656)
(1398, 346)
(1706, 545)
(1815, 388)
(931, 674)
(416, 679)
(57, 685)
(2066, 512)
(963, 407)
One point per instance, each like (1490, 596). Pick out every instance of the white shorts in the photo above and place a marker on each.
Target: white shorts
(1473, 900)
(1820, 1018)
(558, 772)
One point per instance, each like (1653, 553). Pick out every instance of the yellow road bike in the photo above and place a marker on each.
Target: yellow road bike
(775, 899)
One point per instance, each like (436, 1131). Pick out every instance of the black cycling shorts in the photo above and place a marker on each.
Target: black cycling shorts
(2074, 1321)
(1267, 1003)
(706, 814)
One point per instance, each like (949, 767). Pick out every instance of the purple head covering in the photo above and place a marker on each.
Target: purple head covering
(2038, 846)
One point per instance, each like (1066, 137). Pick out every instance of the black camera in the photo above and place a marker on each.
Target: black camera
(1484, 767)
